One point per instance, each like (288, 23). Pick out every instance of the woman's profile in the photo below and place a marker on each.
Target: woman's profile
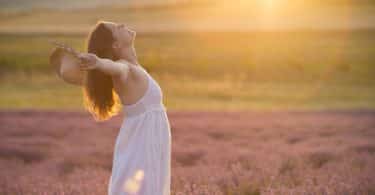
(113, 80)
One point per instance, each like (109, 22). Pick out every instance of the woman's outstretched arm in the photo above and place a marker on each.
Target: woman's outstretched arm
(114, 68)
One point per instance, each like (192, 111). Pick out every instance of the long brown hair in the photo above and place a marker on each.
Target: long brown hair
(99, 96)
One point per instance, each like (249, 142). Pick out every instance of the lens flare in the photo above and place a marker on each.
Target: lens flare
(133, 184)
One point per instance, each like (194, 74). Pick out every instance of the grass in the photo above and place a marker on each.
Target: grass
(212, 71)
(305, 70)
(190, 94)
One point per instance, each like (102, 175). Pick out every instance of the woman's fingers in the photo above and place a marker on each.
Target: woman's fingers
(86, 61)
(82, 66)
(82, 58)
(82, 62)
(85, 66)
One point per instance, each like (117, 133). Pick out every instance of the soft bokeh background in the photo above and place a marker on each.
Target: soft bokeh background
(298, 78)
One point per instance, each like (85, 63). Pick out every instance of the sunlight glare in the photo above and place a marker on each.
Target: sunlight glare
(133, 184)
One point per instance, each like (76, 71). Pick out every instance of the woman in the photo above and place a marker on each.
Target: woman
(141, 158)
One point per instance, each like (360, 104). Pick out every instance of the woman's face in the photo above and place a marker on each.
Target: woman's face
(124, 37)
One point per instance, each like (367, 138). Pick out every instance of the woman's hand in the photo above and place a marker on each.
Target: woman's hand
(88, 61)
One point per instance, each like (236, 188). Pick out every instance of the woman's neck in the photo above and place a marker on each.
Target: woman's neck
(130, 55)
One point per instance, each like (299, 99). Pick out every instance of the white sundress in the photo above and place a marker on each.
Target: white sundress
(142, 153)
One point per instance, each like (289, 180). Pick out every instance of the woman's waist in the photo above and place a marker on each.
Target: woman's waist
(142, 108)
